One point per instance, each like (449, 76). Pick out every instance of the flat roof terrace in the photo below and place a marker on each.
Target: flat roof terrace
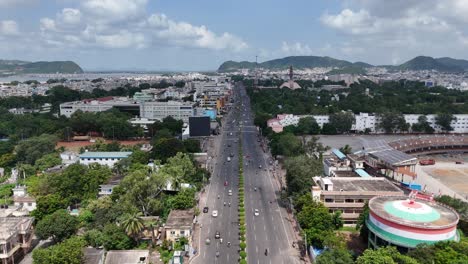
(358, 184)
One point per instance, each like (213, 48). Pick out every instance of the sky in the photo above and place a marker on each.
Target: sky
(201, 34)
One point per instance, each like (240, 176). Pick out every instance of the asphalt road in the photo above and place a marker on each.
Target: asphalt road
(227, 220)
(271, 229)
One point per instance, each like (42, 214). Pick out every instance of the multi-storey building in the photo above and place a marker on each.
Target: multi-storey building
(349, 194)
(160, 110)
(16, 234)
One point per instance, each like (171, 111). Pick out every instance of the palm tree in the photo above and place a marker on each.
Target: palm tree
(133, 225)
(152, 225)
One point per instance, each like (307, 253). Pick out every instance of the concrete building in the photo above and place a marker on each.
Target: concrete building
(349, 194)
(103, 158)
(22, 199)
(16, 234)
(405, 222)
(127, 257)
(179, 224)
(160, 110)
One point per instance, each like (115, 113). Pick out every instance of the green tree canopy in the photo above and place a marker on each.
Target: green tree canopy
(444, 120)
(308, 126)
(342, 121)
(67, 252)
(59, 225)
(33, 148)
(384, 255)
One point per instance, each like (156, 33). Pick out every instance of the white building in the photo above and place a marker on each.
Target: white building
(369, 121)
(22, 199)
(160, 110)
(364, 121)
(69, 157)
(103, 158)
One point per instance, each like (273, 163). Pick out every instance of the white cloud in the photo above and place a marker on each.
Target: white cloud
(70, 16)
(115, 10)
(47, 24)
(124, 24)
(391, 30)
(185, 34)
(296, 48)
(122, 39)
(8, 28)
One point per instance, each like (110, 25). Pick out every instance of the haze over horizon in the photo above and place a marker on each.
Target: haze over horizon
(200, 35)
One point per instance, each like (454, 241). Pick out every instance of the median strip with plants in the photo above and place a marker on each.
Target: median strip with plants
(242, 227)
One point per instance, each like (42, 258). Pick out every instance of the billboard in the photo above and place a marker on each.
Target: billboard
(199, 126)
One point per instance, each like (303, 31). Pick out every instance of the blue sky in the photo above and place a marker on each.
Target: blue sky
(201, 34)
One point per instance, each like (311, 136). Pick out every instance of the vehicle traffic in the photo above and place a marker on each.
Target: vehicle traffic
(214, 213)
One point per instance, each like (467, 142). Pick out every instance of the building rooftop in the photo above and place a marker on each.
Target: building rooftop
(416, 213)
(93, 255)
(11, 225)
(385, 153)
(339, 154)
(127, 256)
(362, 173)
(358, 184)
(101, 155)
(180, 218)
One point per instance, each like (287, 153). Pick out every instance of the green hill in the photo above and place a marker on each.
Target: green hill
(298, 62)
(429, 63)
(454, 62)
(24, 67)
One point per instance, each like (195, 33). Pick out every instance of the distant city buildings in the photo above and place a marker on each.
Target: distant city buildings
(368, 122)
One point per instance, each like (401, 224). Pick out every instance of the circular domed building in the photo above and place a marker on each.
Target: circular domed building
(404, 223)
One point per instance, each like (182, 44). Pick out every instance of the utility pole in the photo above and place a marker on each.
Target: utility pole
(305, 236)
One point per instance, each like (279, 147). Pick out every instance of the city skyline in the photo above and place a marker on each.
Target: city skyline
(176, 35)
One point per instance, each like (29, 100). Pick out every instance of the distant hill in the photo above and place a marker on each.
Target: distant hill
(11, 67)
(454, 62)
(429, 63)
(301, 62)
(298, 62)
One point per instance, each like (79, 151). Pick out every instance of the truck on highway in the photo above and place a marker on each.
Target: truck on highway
(426, 162)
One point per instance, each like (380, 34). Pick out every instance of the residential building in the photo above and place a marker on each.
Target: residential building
(69, 157)
(93, 256)
(22, 199)
(179, 224)
(103, 158)
(368, 122)
(349, 194)
(16, 234)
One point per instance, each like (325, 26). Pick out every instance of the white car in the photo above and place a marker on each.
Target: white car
(256, 212)
(228, 158)
(214, 213)
(230, 192)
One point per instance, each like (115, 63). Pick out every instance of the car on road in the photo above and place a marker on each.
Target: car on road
(214, 213)
(205, 209)
(256, 212)
(258, 140)
(217, 235)
(228, 158)
(230, 133)
(229, 145)
(230, 192)
(259, 166)
(226, 183)
(232, 155)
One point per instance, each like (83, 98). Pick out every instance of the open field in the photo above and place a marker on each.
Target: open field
(355, 141)
(76, 145)
(454, 176)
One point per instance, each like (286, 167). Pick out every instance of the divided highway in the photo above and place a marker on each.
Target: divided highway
(271, 229)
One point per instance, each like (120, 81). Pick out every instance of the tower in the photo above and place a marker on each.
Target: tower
(290, 73)
(256, 74)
